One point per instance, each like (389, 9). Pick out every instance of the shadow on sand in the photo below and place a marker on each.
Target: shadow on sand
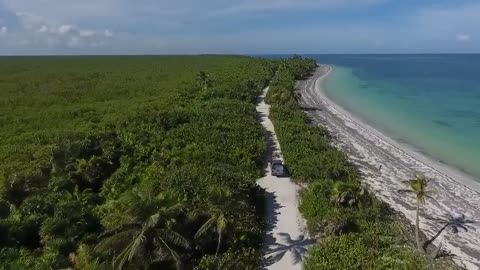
(284, 244)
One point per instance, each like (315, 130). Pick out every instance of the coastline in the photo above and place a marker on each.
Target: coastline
(385, 163)
(447, 170)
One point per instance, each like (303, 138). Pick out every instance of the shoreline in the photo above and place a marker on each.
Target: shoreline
(447, 170)
(385, 163)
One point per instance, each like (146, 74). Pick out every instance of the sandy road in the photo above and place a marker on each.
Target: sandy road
(285, 242)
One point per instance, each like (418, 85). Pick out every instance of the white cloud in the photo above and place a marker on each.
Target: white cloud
(66, 29)
(449, 22)
(87, 23)
(87, 33)
(236, 7)
(43, 29)
(166, 13)
(70, 9)
(108, 33)
(463, 37)
(35, 33)
(185, 26)
(74, 41)
(3, 30)
(96, 44)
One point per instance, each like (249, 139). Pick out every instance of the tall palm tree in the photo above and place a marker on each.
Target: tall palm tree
(418, 187)
(203, 80)
(455, 224)
(141, 229)
(215, 209)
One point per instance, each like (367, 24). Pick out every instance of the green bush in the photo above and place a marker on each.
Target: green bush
(231, 260)
(348, 252)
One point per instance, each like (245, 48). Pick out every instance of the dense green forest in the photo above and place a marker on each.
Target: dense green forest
(150, 163)
(356, 231)
(130, 162)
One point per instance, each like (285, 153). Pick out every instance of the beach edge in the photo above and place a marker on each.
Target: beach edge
(348, 130)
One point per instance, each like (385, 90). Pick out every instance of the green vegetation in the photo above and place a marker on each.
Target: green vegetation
(150, 163)
(130, 162)
(356, 231)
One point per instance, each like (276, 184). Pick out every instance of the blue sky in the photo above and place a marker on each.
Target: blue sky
(238, 26)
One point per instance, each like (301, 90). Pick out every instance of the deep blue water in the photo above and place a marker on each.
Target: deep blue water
(431, 102)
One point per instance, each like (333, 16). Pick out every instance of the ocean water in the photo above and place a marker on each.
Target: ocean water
(431, 102)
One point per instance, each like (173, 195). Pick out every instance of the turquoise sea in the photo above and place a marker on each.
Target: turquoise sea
(431, 102)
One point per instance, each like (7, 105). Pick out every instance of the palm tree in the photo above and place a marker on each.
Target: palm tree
(455, 224)
(419, 187)
(203, 80)
(346, 193)
(215, 210)
(142, 229)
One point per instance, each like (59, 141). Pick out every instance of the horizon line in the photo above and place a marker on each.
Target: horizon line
(231, 54)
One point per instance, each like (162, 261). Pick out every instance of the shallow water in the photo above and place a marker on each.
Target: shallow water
(431, 102)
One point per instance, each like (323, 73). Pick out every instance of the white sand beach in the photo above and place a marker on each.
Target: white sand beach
(385, 163)
(286, 242)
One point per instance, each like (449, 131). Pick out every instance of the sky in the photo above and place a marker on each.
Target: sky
(46, 27)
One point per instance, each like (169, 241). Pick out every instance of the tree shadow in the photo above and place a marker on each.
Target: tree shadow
(446, 255)
(272, 148)
(285, 244)
(271, 212)
(270, 153)
(455, 224)
(309, 109)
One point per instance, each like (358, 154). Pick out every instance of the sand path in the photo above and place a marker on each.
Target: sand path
(285, 242)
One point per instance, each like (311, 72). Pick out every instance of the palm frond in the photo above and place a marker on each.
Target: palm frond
(277, 255)
(219, 194)
(119, 229)
(462, 227)
(421, 199)
(286, 238)
(120, 218)
(129, 252)
(173, 237)
(153, 220)
(169, 202)
(471, 228)
(221, 223)
(296, 256)
(115, 242)
(196, 213)
(205, 227)
(172, 252)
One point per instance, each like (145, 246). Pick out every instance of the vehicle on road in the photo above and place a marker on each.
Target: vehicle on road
(278, 169)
